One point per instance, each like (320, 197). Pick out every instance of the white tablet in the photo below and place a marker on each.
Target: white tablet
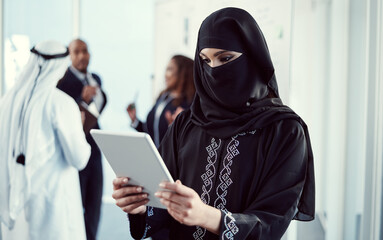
(134, 155)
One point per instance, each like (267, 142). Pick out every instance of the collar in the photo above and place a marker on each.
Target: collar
(78, 74)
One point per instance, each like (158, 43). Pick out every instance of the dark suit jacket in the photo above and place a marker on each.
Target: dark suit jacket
(73, 86)
(163, 124)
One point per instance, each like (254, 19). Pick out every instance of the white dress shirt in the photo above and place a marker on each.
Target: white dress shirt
(98, 99)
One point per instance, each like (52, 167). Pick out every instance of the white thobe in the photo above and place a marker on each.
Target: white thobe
(59, 149)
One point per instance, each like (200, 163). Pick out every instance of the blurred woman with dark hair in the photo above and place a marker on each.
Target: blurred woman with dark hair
(177, 96)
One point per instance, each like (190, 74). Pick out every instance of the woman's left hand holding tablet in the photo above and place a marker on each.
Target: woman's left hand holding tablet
(185, 206)
(129, 198)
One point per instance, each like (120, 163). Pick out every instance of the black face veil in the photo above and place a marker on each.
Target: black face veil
(228, 91)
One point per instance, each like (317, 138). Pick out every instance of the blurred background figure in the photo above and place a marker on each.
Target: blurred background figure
(42, 147)
(177, 96)
(85, 87)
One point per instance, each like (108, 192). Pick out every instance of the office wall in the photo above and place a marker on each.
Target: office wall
(26, 23)
(334, 87)
(1, 49)
(120, 38)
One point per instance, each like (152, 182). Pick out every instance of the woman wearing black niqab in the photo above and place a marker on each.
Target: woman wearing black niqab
(243, 159)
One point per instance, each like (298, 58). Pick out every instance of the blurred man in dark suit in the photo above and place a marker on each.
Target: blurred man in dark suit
(85, 88)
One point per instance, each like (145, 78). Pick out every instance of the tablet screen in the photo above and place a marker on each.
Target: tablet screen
(134, 155)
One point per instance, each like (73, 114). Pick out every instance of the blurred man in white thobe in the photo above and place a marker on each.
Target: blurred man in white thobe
(42, 147)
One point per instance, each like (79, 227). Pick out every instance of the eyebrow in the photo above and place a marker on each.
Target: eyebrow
(216, 54)
(220, 52)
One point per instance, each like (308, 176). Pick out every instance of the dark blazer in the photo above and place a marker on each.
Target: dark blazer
(72, 86)
(163, 124)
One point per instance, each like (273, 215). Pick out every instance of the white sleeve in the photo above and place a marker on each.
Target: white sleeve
(67, 119)
(135, 123)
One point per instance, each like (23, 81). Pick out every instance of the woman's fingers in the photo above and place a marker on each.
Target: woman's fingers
(178, 111)
(182, 202)
(129, 198)
(168, 116)
(175, 198)
(136, 208)
(124, 191)
(119, 182)
(178, 188)
(126, 197)
(179, 197)
(131, 109)
(174, 205)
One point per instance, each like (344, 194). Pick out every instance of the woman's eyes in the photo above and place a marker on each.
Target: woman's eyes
(221, 59)
(206, 60)
(226, 58)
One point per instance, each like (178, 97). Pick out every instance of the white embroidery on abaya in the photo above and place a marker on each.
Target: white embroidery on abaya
(231, 227)
(224, 176)
(150, 211)
(224, 182)
(210, 172)
(147, 226)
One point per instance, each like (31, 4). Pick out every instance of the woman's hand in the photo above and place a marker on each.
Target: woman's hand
(129, 198)
(185, 206)
(170, 117)
(131, 109)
